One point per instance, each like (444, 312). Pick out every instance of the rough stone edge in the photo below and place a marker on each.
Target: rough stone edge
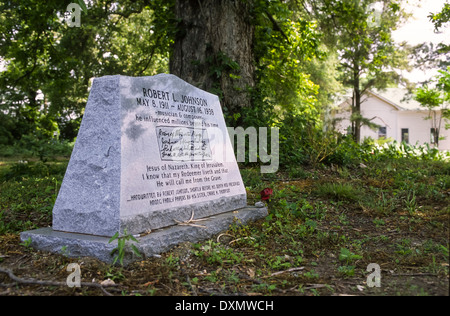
(78, 245)
(83, 206)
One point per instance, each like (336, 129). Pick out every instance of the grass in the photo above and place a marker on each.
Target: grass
(338, 191)
(325, 226)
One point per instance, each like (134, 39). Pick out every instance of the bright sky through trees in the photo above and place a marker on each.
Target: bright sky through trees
(419, 29)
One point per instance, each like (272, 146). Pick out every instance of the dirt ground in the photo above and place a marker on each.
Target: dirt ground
(315, 242)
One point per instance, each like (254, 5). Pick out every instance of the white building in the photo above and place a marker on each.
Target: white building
(400, 118)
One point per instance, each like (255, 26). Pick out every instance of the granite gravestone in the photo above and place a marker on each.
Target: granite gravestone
(151, 153)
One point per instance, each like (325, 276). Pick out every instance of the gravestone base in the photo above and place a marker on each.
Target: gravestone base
(80, 245)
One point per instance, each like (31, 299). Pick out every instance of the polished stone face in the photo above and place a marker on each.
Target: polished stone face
(151, 152)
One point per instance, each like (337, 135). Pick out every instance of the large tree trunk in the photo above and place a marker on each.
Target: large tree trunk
(213, 49)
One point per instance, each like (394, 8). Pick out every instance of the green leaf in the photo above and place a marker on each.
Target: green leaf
(348, 256)
(136, 251)
(116, 235)
(344, 255)
(83, 6)
(121, 244)
(133, 238)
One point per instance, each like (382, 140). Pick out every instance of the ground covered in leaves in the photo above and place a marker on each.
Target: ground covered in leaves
(325, 226)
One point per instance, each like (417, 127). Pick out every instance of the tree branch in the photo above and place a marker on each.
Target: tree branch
(150, 58)
(276, 26)
(16, 280)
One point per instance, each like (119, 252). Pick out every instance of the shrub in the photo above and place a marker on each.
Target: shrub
(33, 146)
(30, 169)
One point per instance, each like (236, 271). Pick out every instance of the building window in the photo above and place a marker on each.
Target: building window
(405, 135)
(434, 136)
(382, 132)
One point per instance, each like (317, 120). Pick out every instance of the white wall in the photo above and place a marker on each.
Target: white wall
(385, 114)
(445, 143)
(420, 128)
(382, 113)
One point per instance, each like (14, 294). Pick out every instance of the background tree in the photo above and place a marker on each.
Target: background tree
(49, 65)
(272, 62)
(441, 18)
(368, 56)
(437, 100)
(428, 55)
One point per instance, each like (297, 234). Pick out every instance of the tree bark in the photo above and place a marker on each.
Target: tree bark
(357, 113)
(213, 49)
(356, 110)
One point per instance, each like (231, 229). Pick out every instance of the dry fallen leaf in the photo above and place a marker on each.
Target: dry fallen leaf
(150, 283)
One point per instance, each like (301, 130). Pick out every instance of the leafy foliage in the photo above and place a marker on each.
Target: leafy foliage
(304, 54)
(48, 65)
(439, 19)
(437, 100)
(284, 43)
(368, 56)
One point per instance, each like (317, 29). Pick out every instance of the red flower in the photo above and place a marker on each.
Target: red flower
(266, 193)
